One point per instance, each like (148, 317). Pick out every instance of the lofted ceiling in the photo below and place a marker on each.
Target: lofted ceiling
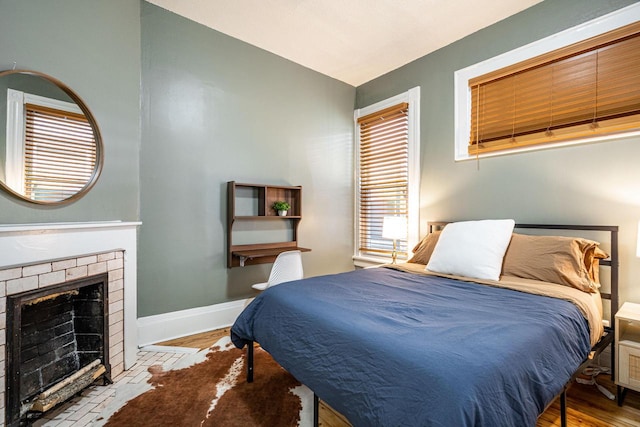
(353, 41)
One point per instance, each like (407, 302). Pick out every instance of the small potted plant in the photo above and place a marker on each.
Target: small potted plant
(282, 207)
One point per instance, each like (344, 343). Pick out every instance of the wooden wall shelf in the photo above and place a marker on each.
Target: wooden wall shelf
(252, 202)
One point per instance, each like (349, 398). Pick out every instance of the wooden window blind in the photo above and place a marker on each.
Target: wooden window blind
(586, 89)
(383, 176)
(60, 153)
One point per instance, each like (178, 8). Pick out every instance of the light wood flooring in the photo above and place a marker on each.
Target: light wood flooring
(586, 406)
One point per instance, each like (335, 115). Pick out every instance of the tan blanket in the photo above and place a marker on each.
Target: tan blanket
(590, 304)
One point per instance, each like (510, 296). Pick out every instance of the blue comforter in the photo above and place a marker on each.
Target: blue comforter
(391, 348)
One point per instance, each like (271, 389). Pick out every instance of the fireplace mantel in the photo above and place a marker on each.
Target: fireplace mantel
(27, 244)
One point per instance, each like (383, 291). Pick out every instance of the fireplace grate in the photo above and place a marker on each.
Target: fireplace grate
(65, 389)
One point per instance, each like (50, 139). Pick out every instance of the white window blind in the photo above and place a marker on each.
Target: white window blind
(59, 153)
(383, 177)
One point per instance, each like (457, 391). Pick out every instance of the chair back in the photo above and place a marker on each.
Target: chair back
(286, 267)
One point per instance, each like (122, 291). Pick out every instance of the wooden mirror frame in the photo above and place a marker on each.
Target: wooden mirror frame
(96, 133)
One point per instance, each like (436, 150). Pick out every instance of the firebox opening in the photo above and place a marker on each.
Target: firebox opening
(59, 344)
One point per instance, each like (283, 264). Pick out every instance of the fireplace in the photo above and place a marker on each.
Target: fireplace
(56, 261)
(58, 343)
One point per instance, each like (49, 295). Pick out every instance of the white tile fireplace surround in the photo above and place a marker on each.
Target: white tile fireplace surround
(34, 256)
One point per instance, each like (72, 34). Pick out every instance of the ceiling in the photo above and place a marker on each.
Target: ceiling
(353, 41)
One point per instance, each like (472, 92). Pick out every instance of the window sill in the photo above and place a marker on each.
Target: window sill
(546, 146)
(370, 261)
(364, 262)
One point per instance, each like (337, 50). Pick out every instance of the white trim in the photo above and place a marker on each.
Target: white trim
(462, 94)
(40, 227)
(14, 164)
(57, 104)
(25, 244)
(177, 324)
(169, 349)
(413, 219)
(368, 262)
(14, 170)
(412, 97)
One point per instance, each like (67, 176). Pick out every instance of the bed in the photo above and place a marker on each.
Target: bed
(403, 345)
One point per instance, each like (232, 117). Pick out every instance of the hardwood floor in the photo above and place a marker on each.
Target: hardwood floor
(586, 406)
(200, 341)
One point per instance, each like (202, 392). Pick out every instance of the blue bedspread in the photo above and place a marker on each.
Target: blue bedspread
(390, 348)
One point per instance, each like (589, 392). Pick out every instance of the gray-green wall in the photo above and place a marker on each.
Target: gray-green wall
(589, 184)
(93, 46)
(215, 109)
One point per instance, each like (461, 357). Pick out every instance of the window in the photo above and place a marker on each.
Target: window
(387, 175)
(585, 90)
(52, 146)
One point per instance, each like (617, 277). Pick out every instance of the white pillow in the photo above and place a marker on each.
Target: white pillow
(472, 249)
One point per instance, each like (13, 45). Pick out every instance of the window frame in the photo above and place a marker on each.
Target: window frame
(462, 92)
(412, 97)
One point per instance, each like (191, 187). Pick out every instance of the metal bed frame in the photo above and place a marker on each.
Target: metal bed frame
(606, 340)
(613, 263)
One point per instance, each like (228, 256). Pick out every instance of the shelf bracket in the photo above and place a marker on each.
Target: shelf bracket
(242, 260)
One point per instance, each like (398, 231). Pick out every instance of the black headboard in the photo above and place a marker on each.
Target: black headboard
(612, 261)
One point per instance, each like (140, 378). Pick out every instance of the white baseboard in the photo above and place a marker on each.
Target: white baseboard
(167, 326)
(169, 349)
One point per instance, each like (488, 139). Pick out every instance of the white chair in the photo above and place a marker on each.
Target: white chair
(286, 267)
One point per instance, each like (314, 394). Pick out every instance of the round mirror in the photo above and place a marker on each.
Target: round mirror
(50, 144)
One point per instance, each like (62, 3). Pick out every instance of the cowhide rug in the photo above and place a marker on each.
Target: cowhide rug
(214, 392)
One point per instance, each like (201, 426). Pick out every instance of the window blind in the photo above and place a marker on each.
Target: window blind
(585, 89)
(60, 153)
(383, 175)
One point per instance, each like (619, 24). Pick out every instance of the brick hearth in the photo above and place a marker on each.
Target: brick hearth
(43, 274)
